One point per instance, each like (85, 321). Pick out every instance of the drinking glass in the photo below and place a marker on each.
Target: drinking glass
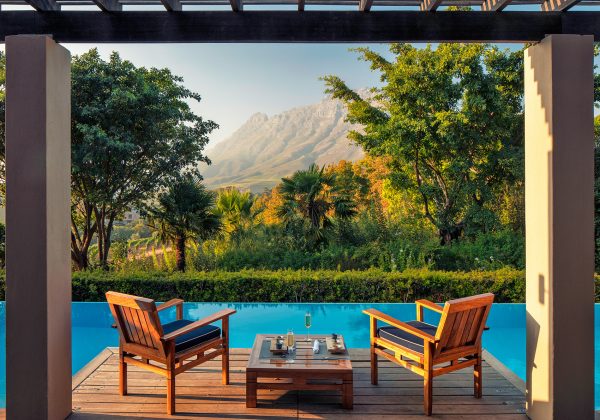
(290, 341)
(307, 324)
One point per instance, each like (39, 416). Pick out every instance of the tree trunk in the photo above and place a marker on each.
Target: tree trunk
(104, 221)
(180, 252)
(108, 238)
(81, 236)
(79, 257)
(449, 234)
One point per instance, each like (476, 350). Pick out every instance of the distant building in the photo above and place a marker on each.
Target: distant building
(131, 216)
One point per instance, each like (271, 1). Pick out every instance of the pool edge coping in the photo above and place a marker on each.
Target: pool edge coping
(504, 371)
(91, 366)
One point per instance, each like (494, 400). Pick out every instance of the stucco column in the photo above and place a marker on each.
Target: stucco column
(38, 266)
(559, 217)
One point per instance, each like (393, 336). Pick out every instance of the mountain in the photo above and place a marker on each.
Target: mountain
(265, 149)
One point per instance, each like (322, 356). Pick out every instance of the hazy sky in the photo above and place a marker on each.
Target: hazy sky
(238, 80)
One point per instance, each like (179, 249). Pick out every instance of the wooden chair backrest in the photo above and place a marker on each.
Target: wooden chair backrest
(462, 323)
(137, 320)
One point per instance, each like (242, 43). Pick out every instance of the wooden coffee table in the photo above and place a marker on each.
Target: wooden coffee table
(301, 371)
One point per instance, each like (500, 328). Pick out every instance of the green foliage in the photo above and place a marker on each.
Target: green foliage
(184, 211)
(450, 120)
(131, 232)
(315, 197)
(167, 258)
(119, 251)
(133, 132)
(485, 252)
(237, 211)
(303, 286)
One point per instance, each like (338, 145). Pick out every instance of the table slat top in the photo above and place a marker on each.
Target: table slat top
(303, 359)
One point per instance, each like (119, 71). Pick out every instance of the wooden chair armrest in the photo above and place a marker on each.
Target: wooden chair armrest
(200, 323)
(173, 302)
(429, 305)
(169, 304)
(374, 313)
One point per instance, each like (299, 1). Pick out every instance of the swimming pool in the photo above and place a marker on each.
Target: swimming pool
(92, 331)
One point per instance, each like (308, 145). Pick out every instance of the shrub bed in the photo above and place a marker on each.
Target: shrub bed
(303, 286)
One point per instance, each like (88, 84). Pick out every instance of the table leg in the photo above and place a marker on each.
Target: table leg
(251, 389)
(348, 392)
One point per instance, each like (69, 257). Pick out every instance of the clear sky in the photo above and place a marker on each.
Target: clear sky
(238, 80)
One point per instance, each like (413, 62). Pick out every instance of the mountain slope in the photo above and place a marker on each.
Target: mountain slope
(265, 149)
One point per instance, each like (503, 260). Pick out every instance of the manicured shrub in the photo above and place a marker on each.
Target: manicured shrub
(303, 286)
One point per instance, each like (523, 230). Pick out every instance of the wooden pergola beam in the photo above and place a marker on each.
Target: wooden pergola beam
(558, 5)
(236, 5)
(109, 5)
(290, 26)
(365, 5)
(172, 5)
(44, 5)
(494, 5)
(430, 5)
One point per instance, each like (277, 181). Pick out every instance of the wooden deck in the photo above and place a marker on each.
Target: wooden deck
(201, 395)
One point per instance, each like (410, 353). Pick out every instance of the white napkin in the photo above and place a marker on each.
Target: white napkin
(316, 346)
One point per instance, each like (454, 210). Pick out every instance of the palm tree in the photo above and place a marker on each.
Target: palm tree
(314, 195)
(236, 210)
(184, 211)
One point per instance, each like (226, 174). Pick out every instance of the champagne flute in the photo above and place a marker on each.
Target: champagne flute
(290, 341)
(307, 324)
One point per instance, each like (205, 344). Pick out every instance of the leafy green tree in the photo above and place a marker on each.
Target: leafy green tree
(183, 212)
(314, 195)
(133, 132)
(450, 120)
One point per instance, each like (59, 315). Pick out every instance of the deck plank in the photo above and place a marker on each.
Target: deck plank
(200, 394)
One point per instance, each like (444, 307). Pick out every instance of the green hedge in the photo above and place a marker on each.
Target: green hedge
(303, 286)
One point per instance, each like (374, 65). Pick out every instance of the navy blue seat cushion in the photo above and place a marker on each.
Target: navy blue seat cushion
(404, 338)
(193, 338)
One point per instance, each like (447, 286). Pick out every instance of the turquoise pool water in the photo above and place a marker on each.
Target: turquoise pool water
(92, 331)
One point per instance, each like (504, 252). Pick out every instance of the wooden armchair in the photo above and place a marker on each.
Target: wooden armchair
(143, 339)
(422, 347)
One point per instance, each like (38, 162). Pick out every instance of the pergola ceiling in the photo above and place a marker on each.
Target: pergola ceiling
(361, 5)
(292, 21)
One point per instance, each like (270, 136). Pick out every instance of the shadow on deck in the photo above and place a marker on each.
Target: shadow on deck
(201, 395)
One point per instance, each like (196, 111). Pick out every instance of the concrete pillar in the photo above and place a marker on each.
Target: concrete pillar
(38, 266)
(559, 217)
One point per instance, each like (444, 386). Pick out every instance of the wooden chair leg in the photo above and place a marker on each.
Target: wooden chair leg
(373, 338)
(122, 374)
(171, 381)
(427, 393)
(225, 355)
(171, 394)
(478, 378)
(225, 366)
(374, 367)
(428, 379)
